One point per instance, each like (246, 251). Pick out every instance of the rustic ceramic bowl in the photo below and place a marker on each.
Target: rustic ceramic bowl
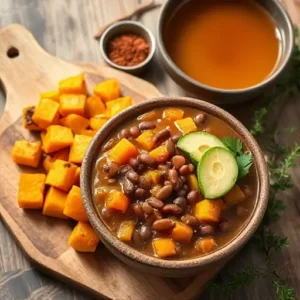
(222, 96)
(172, 268)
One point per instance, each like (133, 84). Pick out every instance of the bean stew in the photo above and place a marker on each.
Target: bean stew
(175, 183)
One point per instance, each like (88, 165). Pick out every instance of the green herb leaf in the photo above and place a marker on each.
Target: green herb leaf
(283, 291)
(233, 144)
(274, 241)
(244, 162)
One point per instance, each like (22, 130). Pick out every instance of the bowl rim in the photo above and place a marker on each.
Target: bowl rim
(230, 248)
(147, 31)
(272, 76)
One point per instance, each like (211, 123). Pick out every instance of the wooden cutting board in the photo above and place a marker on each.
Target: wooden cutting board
(28, 72)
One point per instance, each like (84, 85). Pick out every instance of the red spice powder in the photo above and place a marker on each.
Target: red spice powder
(128, 49)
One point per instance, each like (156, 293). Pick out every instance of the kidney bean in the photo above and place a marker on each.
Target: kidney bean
(140, 193)
(164, 192)
(125, 133)
(128, 187)
(106, 213)
(161, 167)
(167, 182)
(191, 168)
(147, 208)
(206, 229)
(132, 176)
(144, 183)
(178, 161)
(133, 162)
(134, 131)
(124, 169)
(190, 220)
(184, 179)
(141, 168)
(181, 193)
(169, 164)
(155, 189)
(163, 224)
(200, 119)
(241, 211)
(224, 226)
(193, 197)
(176, 137)
(146, 125)
(161, 136)
(147, 159)
(138, 210)
(185, 187)
(155, 203)
(180, 201)
(137, 239)
(145, 232)
(178, 185)
(173, 176)
(184, 170)
(171, 147)
(109, 144)
(172, 209)
(157, 214)
(150, 219)
(111, 169)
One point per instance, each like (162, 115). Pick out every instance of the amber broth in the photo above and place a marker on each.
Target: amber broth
(229, 44)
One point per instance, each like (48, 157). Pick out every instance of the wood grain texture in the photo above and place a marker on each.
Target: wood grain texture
(65, 29)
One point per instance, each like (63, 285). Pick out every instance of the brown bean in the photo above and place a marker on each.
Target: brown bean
(106, 213)
(172, 209)
(161, 136)
(125, 133)
(167, 182)
(185, 187)
(147, 208)
(163, 224)
(124, 169)
(109, 144)
(206, 229)
(111, 169)
(133, 162)
(171, 147)
(200, 119)
(173, 176)
(147, 159)
(138, 210)
(141, 168)
(169, 164)
(134, 132)
(191, 168)
(145, 232)
(193, 197)
(181, 193)
(146, 125)
(164, 192)
(150, 219)
(144, 183)
(190, 220)
(128, 187)
(184, 170)
(176, 137)
(180, 201)
(137, 239)
(140, 193)
(178, 161)
(157, 214)
(178, 185)
(184, 179)
(133, 176)
(155, 203)
(241, 211)
(162, 167)
(224, 226)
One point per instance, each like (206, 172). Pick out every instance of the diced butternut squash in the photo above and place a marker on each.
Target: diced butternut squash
(154, 176)
(164, 247)
(193, 182)
(89, 132)
(234, 196)
(74, 207)
(75, 122)
(209, 210)
(122, 152)
(97, 122)
(125, 231)
(28, 123)
(31, 191)
(52, 95)
(77, 176)
(62, 175)
(117, 105)
(181, 232)
(186, 125)
(55, 203)
(43, 138)
(160, 153)
(47, 163)
(108, 90)
(205, 245)
(83, 238)
(116, 200)
(46, 113)
(26, 153)
(62, 154)
(146, 140)
(72, 104)
(78, 148)
(72, 85)
(173, 114)
(57, 138)
(94, 106)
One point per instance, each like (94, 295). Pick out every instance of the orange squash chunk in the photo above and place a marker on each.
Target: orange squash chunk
(98, 121)
(31, 191)
(181, 233)
(83, 238)
(146, 140)
(77, 176)
(205, 245)
(57, 138)
(47, 163)
(74, 207)
(89, 132)
(186, 125)
(72, 104)
(164, 247)
(52, 95)
(26, 153)
(55, 203)
(122, 152)
(72, 85)
(62, 175)
(234, 196)
(78, 148)
(117, 105)
(75, 122)
(108, 90)
(154, 176)
(173, 114)
(116, 200)
(160, 153)
(28, 123)
(125, 231)
(209, 210)
(48, 160)
(46, 113)
(94, 106)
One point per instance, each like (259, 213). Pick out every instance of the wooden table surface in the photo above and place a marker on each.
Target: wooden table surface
(65, 28)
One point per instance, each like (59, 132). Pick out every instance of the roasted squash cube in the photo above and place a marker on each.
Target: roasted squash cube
(122, 152)
(84, 238)
(28, 123)
(164, 247)
(62, 154)
(160, 153)
(209, 210)
(78, 148)
(146, 140)
(117, 105)
(47, 163)
(108, 90)
(57, 138)
(205, 245)
(46, 113)
(75, 122)
(173, 114)
(125, 231)
(26, 153)
(234, 196)
(52, 95)
(89, 132)
(94, 106)
(181, 232)
(72, 104)
(62, 175)
(77, 176)
(116, 200)
(31, 191)
(98, 121)
(55, 203)
(186, 125)
(72, 85)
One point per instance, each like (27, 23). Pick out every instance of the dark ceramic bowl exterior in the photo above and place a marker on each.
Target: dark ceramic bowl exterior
(223, 96)
(172, 268)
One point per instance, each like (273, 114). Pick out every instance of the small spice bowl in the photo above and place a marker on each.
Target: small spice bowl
(127, 27)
